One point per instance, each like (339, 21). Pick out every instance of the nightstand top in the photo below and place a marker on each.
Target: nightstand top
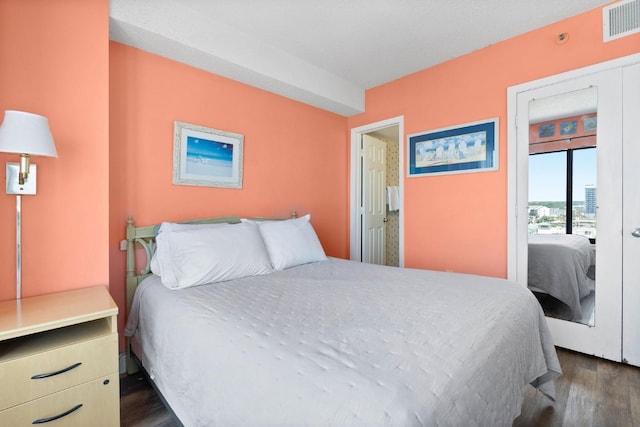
(45, 312)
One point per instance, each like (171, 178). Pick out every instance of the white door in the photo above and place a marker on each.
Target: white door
(631, 216)
(604, 338)
(373, 200)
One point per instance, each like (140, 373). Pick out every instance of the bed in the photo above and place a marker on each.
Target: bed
(331, 341)
(560, 265)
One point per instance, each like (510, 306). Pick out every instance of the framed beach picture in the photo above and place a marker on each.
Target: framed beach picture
(569, 127)
(471, 147)
(206, 157)
(547, 130)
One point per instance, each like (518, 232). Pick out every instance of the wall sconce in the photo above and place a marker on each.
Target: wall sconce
(26, 134)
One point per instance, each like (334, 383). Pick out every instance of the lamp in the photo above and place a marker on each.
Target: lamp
(26, 134)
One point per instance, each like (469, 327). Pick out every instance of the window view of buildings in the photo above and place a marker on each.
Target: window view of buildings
(590, 195)
(550, 217)
(563, 192)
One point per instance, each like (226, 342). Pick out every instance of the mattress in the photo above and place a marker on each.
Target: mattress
(559, 266)
(341, 343)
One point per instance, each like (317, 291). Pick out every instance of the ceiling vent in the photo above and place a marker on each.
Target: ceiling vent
(621, 19)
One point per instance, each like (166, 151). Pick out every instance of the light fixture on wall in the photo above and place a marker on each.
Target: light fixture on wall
(26, 134)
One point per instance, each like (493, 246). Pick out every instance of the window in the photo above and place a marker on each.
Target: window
(563, 192)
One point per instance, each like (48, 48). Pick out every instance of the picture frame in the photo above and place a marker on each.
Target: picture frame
(569, 127)
(469, 147)
(547, 130)
(207, 157)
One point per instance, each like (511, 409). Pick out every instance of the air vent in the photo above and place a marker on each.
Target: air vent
(621, 19)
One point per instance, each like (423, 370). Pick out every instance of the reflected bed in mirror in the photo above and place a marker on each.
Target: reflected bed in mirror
(561, 273)
(562, 224)
(555, 308)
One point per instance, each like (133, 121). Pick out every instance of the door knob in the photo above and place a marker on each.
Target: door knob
(636, 232)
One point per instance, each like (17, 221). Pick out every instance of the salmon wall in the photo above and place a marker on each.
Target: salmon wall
(54, 61)
(459, 222)
(295, 156)
(111, 110)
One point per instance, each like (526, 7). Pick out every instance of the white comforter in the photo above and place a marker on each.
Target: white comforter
(558, 266)
(340, 343)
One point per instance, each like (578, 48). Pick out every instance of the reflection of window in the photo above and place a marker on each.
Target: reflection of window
(563, 192)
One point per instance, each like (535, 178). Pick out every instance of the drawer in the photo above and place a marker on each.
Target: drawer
(100, 406)
(97, 357)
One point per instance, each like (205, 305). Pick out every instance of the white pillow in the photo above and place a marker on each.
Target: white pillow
(161, 256)
(291, 242)
(197, 256)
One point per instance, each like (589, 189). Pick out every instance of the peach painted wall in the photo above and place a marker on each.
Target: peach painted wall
(54, 61)
(295, 156)
(459, 222)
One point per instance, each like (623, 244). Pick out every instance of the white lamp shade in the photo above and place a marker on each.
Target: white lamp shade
(26, 133)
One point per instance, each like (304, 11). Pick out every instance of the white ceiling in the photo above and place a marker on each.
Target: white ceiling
(326, 52)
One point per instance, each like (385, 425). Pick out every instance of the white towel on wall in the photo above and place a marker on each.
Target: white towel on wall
(393, 197)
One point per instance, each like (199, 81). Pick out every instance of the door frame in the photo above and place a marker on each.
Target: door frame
(355, 222)
(631, 218)
(517, 185)
(514, 186)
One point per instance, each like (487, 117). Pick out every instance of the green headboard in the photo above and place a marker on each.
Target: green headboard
(146, 237)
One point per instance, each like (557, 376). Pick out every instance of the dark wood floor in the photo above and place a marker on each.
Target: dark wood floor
(592, 392)
(140, 406)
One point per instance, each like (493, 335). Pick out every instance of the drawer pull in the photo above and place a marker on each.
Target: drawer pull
(51, 374)
(56, 417)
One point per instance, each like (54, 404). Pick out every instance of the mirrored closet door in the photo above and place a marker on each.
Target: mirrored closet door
(562, 208)
(569, 198)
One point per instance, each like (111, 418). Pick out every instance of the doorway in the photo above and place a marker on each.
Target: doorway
(377, 168)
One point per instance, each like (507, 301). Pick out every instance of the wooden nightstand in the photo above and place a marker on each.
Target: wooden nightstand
(59, 358)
